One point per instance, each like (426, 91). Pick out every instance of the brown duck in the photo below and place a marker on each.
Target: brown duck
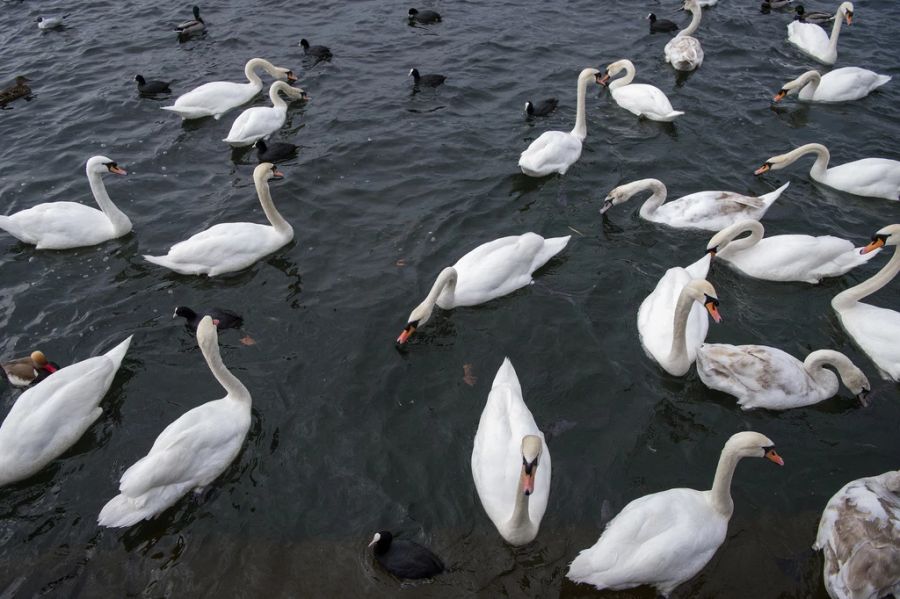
(29, 370)
(18, 90)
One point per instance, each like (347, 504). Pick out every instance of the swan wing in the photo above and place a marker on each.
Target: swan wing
(255, 123)
(214, 99)
(875, 330)
(684, 52)
(709, 210)
(809, 38)
(874, 177)
(645, 100)
(552, 152)
(847, 83)
(62, 225)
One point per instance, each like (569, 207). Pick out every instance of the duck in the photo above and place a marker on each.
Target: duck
(556, 151)
(66, 225)
(707, 210)
(859, 537)
(802, 258)
(671, 320)
(191, 452)
(423, 17)
(274, 152)
(317, 52)
(812, 40)
(661, 25)
(840, 85)
(767, 377)
(875, 330)
(230, 247)
(871, 177)
(192, 26)
(222, 318)
(510, 461)
(30, 370)
(666, 538)
(542, 108)
(151, 87)
(639, 99)
(218, 97)
(48, 419)
(491, 270)
(426, 80)
(260, 122)
(816, 17)
(405, 559)
(19, 89)
(50, 22)
(684, 51)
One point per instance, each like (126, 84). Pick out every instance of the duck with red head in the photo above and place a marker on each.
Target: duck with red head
(30, 370)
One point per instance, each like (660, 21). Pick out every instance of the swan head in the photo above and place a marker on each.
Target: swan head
(889, 235)
(101, 164)
(531, 452)
(262, 173)
(720, 240)
(615, 68)
(793, 87)
(39, 358)
(623, 193)
(702, 291)
(279, 73)
(857, 383)
(417, 318)
(846, 9)
(749, 444)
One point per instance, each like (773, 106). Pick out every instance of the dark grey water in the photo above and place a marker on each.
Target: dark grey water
(349, 436)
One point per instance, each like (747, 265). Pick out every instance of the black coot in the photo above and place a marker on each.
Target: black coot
(152, 87)
(542, 108)
(661, 25)
(427, 80)
(424, 17)
(405, 559)
(317, 52)
(223, 319)
(275, 151)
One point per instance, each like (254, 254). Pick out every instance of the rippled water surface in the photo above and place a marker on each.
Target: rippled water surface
(349, 435)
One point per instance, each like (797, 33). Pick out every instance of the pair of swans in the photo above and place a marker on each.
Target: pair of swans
(491, 270)
(64, 225)
(556, 151)
(49, 418)
(683, 51)
(872, 177)
(666, 538)
(709, 210)
(510, 461)
(229, 247)
(191, 452)
(218, 97)
(639, 99)
(812, 40)
(671, 320)
(262, 121)
(840, 85)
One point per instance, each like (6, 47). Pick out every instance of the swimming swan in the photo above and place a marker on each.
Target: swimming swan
(639, 99)
(262, 121)
(684, 51)
(812, 39)
(840, 85)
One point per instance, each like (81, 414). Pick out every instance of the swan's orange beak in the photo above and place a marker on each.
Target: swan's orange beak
(849, 17)
(877, 242)
(406, 334)
(713, 309)
(528, 481)
(290, 76)
(602, 80)
(780, 95)
(763, 169)
(117, 170)
(712, 251)
(277, 175)
(771, 455)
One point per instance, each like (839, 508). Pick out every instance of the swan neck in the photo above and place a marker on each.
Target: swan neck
(678, 354)
(835, 31)
(819, 167)
(277, 101)
(720, 494)
(117, 218)
(265, 200)
(817, 360)
(756, 231)
(234, 387)
(884, 276)
(696, 13)
(656, 199)
(811, 82)
(626, 80)
(250, 71)
(580, 130)
(520, 520)
(446, 279)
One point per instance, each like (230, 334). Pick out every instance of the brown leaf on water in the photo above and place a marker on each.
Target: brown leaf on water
(469, 377)
(400, 262)
(248, 340)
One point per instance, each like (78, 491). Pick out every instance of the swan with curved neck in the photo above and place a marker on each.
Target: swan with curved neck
(874, 329)
(218, 97)
(491, 270)
(64, 225)
(812, 39)
(684, 51)
(872, 177)
(671, 320)
(556, 151)
(262, 121)
(510, 461)
(784, 257)
(639, 99)
(708, 210)
(767, 377)
(666, 538)
(840, 85)
(229, 247)
(191, 452)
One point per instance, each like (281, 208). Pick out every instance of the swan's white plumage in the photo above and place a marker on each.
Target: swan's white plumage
(261, 121)
(49, 418)
(497, 458)
(812, 40)
(639, 99)
(684, 51)
(840, 85)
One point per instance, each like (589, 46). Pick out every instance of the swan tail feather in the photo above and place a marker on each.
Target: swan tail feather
(117, 353)
(122, 510)
(672, 115)
(773, 195)
(881, 80)
(551, 247)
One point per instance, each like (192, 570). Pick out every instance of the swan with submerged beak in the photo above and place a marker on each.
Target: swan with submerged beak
(840, 85)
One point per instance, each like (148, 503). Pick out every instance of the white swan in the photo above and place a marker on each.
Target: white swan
(229, 247)
(262, 121)
(218, 97)
(510, 461)
(556, 151)
(859, 536)
(767, 377)
(491, 270)
(191, 452)
(708, 210)
(874, 329)
(812, 40)
(784, 257)
(666, 538)
(49, 418)
(873, 177)
(64, 225)
(639, 99)
(840, 85)
(671, 326)
(684, 51)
